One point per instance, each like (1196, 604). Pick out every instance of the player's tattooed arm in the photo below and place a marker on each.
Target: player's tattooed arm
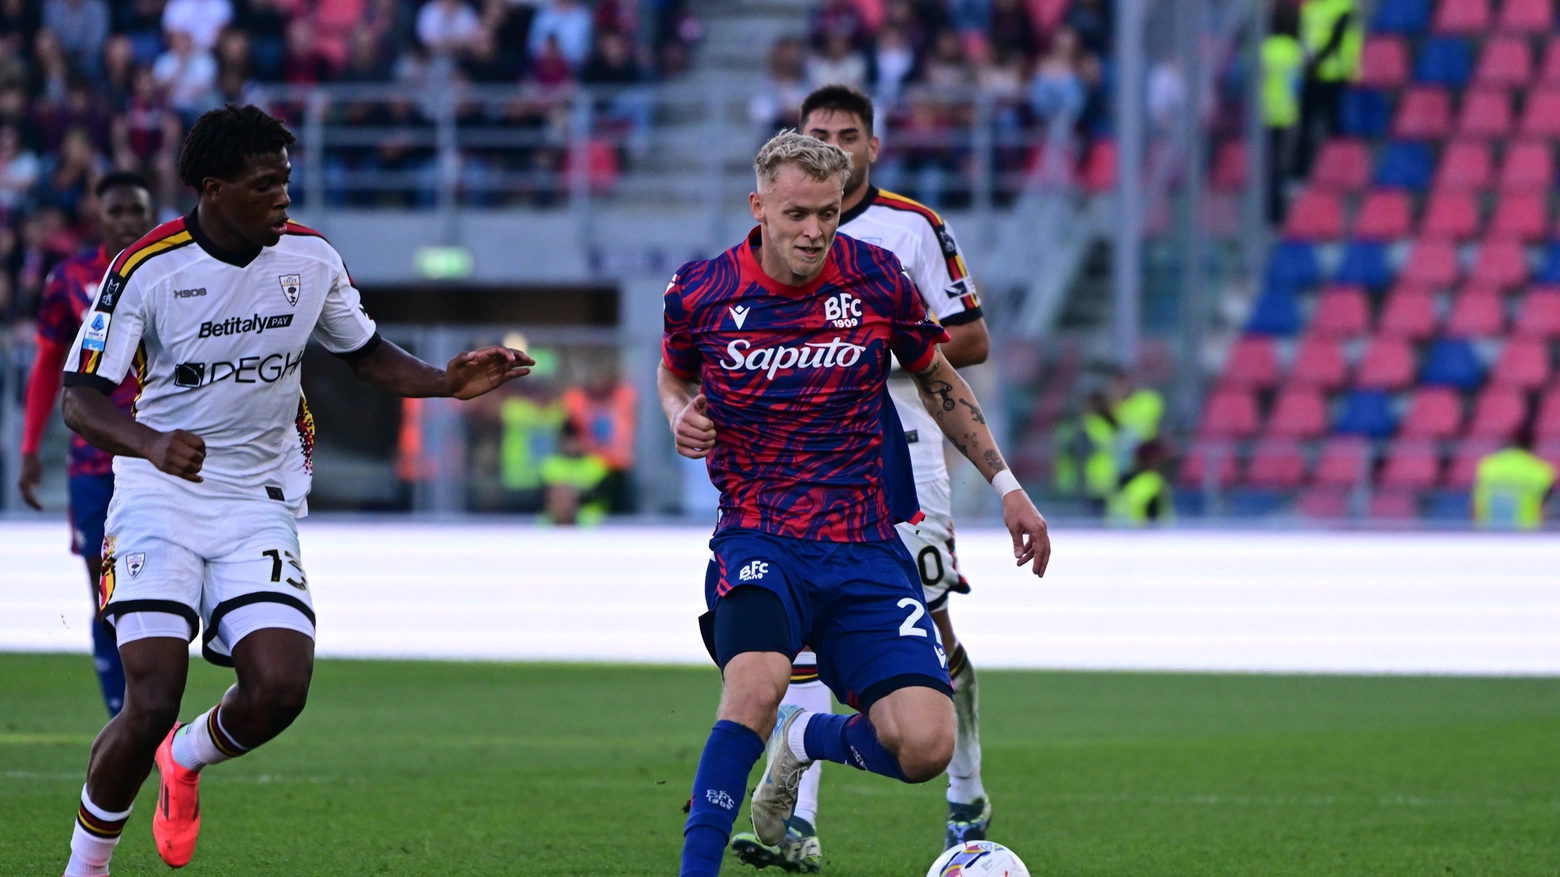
(687, 411)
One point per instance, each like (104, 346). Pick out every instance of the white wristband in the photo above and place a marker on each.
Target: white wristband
(1004, 483)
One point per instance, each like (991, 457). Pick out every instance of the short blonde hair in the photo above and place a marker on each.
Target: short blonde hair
(816, 159)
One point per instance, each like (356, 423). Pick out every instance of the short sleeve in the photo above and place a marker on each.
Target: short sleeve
(914, 336)
(57, 318)
(110, 335)
(344, 327)
(940, 274)
(678, 351)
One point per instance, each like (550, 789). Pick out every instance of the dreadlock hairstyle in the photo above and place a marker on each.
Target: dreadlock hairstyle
(221, 141)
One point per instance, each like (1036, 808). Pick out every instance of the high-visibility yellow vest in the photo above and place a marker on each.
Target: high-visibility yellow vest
(529, 435)
(1140, 413)
(1317, 20)
(1282, 63)
(1508, 492)
(1065, 464)
(583, 473)
(1134, 503)
(1100, 472)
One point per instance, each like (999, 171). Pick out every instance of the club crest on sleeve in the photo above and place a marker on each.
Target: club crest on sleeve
(290, 286)
(134, 563)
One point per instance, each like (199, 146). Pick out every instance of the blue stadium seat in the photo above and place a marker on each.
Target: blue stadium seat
(1448, 505)
(1254, 503)
(1277, 312)
(1401, 16)
(1292, 265)
(1444, 61)
(1405, 164)
(1365, 113)
(1549, 270)
(1367, 413)
(1189, 503)
(1452, 362)
(1364, 264)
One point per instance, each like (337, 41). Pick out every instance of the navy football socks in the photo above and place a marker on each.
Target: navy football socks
(110, 672)
(718, 789)
(849, 739)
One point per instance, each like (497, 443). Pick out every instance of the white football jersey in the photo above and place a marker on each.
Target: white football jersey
(930, 255)
(217, 342)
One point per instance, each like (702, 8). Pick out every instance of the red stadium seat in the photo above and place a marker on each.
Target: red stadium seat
(1523, 364)
(1231, 413)
(1549, 67)
(1384, 214)
(1342, 165)
(1433, 413)
(1465, 167)
(1452, 215)
(1315, 216)
(1506, 61)
(1477, 312)
(1529, 167)
(1526, 16)
(1344, 461)
(1298, 413)
(1521, 216)
(1253, 363)
(1229, 167)
(1461, 17)
(1550, 452)
(1393, 505)
(1501, 262)
(1323, 504)
(1432, 262)
(1215, 459)
(1547, 427)
(1341, 312)
(1276, 465)
(1425, 113)
(1409, 313)
(1388, 364)
(1384, 62)
(1411, 463)
(1539, 315)
(1464, 467)
(1498, 413)
(1541, 118)
(1486, 112)
(1319, 363)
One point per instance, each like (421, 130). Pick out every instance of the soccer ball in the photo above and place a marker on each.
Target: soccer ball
(978, 858)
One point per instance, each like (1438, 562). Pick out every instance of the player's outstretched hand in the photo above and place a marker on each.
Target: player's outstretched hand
(480, 371)
(694, 430)
(1031, 538)
(179, 453)
(31, 477)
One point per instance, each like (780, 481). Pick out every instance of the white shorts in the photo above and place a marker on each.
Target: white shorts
(931, 545)
(206, 562)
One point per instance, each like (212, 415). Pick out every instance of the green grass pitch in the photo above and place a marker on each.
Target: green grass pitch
(413, 768)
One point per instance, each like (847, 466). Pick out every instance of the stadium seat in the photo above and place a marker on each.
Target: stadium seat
(1546, 428)
(1292, 265)
(1411, 463)
(1477, 312)
(1409, 313)
(1539, 314)
(1276, 464)
(1230, 168)
(1526, 16)
(1453, 215)
(1393, 505)
(1432, 262)
(1341, 312)
(1384, 215)
(1452, 362)
(1464, 468)
(1502, 262)
(1320, 363)
(1253, 364)
(1298, 413)
(1254, 502)
(1433, 413)
(1364, 112)
(1423, 113)
(1448, 505)
(1205, 459)
(1529, 167)
(1342, 165)
(1097, 172)
(1316, 215)
(1523, 364)
(1520, 216)
(1344, 461)
(1507, 61)
(1541, 118)
(1498, 413)
(1323, 503)
(1548, 272)
(1388, 364)
(1230, 413)
(1549, 67)
(1277, 312)
(1486, 112)
(1444, 61)
(1384, 62)
(1465, 167)
(1367, 413)
(1364, 264)
(1461, 17)
(1405, 164)
(1400, 16)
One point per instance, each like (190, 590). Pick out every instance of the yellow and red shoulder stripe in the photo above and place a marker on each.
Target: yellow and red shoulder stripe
(950, 250)
(168, 236)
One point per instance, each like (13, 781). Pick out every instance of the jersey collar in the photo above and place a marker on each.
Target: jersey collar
(238, 260)
(861, 206)
(750, 266)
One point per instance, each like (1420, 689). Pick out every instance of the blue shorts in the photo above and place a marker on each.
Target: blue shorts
(89, 496)
(858, 605)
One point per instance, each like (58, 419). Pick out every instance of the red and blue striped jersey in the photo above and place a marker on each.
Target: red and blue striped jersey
(67, 294)
(795, 377)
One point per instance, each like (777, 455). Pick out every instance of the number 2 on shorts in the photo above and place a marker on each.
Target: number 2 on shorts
(917, 611)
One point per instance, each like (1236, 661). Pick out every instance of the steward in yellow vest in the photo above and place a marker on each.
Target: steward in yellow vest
(1510, 487)
(1144, 496)
(1333, 39)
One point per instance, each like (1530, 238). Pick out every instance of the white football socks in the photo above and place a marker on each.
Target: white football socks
(964, 786)
(92, 843)
(815, 698)
(197, 744)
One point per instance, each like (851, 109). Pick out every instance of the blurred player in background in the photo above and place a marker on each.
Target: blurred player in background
(125, 213)
(926, 248)
(213, 311)
(775, 365)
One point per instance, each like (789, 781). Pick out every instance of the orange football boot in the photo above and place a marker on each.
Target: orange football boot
(176, 822)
